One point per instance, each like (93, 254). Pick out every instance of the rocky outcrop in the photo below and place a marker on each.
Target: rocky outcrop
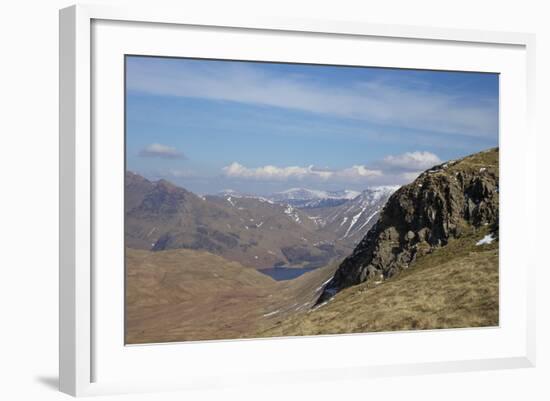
(442, 203)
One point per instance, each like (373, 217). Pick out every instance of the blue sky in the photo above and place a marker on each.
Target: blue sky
(211, 125)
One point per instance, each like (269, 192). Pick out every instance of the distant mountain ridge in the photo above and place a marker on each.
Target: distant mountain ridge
(351, 220)
(308, 194)
(311, 198)
(301, 197)
(253, 230)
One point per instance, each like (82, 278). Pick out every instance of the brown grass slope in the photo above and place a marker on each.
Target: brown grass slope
(187, 295)
(456, 286)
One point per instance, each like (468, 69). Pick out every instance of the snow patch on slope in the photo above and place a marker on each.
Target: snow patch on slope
(487, 240)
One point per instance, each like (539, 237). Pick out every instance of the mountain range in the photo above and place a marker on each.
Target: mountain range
(309, 198)
(294, 228)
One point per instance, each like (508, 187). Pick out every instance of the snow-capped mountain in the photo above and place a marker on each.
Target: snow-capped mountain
(374, 195)
(346, 215)
(311, 198)
(351, 220)
(230, 193)
(309, 194)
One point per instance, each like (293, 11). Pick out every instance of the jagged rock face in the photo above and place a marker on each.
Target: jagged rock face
(440, 204)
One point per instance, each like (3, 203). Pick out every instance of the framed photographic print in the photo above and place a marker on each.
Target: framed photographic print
(251, 201)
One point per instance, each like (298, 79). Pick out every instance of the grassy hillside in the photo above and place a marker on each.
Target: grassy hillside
(180, 295)
(455, 286)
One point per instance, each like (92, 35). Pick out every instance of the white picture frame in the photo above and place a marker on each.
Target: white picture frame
(83, 344)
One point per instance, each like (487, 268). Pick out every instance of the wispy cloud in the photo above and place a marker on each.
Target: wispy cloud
(269, 172)
(161, 151)
(416, 106)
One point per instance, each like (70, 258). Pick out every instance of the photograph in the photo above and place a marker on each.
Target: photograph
(275, 199)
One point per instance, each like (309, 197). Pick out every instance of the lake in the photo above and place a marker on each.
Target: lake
(285, 273)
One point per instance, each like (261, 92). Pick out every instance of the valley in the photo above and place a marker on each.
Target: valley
(303, 262)
(189, 295)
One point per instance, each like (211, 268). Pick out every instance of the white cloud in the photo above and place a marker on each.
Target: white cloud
(269, 172)
(412, 160)
(358, 171)
(414, 105)
(401, 168)
(162, 151)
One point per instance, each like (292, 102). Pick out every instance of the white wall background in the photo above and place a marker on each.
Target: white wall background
(29, 186)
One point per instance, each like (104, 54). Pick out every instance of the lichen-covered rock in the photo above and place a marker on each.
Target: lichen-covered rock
(440, 204)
